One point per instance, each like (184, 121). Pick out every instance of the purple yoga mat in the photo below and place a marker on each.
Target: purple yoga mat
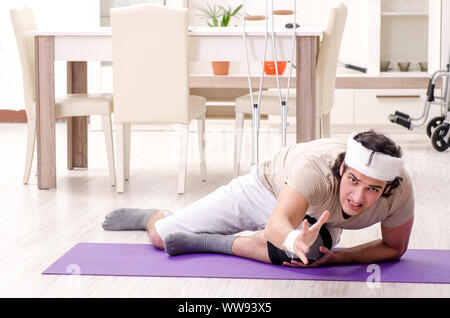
(106, 259)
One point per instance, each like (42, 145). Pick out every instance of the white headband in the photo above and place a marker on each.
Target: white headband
(373, 164)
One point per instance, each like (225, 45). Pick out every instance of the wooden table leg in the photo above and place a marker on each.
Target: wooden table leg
(45, 111)
(306, 88)
(77, 127)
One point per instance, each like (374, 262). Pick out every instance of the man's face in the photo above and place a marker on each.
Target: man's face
(358, 192)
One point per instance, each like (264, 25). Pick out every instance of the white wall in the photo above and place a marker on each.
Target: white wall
(49, 14)
(445, 48)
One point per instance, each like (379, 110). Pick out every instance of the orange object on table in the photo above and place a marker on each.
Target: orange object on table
(269, 67)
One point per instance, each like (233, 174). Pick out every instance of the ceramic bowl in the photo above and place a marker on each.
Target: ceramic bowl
(384, 66)
(404, 66)
(423, 66)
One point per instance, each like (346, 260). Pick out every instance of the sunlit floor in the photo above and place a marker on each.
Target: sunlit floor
(38, 226)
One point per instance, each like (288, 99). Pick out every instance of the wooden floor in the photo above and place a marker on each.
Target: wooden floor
(38, 226)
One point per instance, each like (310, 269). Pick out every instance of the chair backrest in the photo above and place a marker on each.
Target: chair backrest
(150, 64)
(328, 59)
(23, 21)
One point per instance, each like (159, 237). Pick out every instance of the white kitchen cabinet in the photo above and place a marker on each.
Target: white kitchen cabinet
(373, 106)
(405, 31)
(398, 31)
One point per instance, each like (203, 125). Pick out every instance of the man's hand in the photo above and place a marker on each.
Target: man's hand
(393, 244)
(328, 257)
(308, 236)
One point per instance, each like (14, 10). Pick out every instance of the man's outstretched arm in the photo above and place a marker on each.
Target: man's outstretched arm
(392, 246)
(287, 215)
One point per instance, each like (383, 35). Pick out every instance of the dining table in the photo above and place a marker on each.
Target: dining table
(78, 47)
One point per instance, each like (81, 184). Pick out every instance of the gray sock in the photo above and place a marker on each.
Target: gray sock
(186, 243)
(127, 219)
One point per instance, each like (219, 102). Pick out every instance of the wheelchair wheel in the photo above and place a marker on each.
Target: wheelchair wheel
(435, 122)
(440, 139)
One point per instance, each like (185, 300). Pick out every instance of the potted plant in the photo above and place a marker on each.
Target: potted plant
(218, 16)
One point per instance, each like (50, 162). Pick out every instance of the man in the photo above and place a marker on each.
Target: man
(302, 200)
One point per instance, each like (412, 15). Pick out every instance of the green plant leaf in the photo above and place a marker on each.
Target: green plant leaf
(215, 21)
(226, 18)
(209, 13)
(236, 10)
(213, 14)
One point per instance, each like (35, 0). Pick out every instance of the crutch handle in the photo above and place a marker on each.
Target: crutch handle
(290, 25)
(254, 17)
(356, 68)
(283, 12)
(430, 91)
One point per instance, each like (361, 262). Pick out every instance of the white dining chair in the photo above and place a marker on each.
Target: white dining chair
(68, 105)
(151, 80)
(325, 82)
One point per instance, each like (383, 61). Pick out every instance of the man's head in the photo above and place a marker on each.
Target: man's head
(368, 170)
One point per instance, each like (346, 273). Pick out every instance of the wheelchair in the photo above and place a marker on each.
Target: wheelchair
(438, 128)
